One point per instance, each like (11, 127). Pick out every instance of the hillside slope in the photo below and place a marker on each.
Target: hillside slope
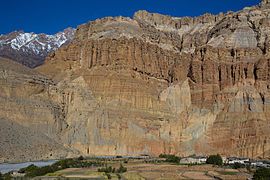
(27, 116)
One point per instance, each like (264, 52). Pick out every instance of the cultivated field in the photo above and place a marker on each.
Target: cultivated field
(139, 170)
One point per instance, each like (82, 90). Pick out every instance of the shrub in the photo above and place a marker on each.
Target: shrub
(107, 169)
(238, 165)
(262, 174)
(214, 159)
(121, 169)
(108, 176)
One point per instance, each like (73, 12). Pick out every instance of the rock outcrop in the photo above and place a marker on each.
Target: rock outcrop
(159, 84)
(265, 2)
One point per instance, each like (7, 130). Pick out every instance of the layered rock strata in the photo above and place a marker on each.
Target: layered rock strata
(159, 84)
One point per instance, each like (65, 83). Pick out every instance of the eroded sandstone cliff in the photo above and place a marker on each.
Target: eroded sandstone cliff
(31, 121)
(159, 84)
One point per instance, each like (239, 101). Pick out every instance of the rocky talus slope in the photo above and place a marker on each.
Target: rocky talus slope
(159, 84)
(28, 117)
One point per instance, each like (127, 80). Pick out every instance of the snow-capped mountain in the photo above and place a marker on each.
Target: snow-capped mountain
(31, 49)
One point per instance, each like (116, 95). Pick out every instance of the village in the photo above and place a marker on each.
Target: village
(228, 161)
(144, 166)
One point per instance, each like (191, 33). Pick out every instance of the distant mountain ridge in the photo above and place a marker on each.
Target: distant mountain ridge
(31, 49)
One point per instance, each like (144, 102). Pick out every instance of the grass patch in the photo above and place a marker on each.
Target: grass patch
(54, 174)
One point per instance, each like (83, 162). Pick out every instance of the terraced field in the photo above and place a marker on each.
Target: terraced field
(139, 170)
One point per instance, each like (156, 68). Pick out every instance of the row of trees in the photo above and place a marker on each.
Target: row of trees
(110, 169)
(33, 171)
(213, 159)
(170, 158)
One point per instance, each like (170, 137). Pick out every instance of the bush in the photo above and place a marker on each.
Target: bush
(170, 158)
(262, 174)
(107, 169)
(238, 165)
(214, 159)
(108, 176)
(121, 169)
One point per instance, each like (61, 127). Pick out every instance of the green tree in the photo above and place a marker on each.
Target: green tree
(214, 159)
(162, 156)
(238, 165)
(262, 174)
(28, 169)
(80, 158)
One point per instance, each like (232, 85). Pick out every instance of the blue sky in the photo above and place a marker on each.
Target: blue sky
(51, 16)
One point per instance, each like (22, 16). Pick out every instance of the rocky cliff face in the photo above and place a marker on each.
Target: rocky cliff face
(159, 84)
(170, 85)
(30, 49)
(31, 121)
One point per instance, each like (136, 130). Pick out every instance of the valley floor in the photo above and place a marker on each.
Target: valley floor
(140, 170)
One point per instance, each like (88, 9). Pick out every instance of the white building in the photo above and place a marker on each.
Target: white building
(193, 160)
(233, 160)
